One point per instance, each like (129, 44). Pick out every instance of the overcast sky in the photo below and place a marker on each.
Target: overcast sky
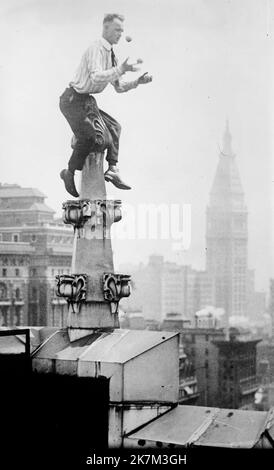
(210, 59)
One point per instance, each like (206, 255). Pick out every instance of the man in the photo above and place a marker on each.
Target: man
(97, 69)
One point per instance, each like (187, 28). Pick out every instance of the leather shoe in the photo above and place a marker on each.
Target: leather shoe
(114, 177)
(68, 179)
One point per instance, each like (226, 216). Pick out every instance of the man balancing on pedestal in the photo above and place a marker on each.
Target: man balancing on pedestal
(97, 69)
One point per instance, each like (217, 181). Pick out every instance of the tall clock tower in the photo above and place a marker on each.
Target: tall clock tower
(226, 234)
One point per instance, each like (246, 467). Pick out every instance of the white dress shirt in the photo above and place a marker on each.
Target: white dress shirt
(95, 71)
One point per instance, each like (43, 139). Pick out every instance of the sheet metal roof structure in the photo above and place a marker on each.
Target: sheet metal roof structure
(210, 427)
(11, 345)
(16, 344)
(116, 346)
(178, 426)
(234, 428)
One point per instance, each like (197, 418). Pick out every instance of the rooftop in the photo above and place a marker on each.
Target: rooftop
(16, 191)
(41, 207)
(117, 346)
(210, 427)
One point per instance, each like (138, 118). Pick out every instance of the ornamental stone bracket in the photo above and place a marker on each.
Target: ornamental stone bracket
(115, 286)
(73, 287)
(97, 212)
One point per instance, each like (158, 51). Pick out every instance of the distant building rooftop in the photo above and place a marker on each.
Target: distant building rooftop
(40, 207)
(14, 191)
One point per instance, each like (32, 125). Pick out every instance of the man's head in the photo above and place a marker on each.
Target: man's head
(113, 27)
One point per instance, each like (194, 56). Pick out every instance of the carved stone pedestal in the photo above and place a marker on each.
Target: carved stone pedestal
(92, 290)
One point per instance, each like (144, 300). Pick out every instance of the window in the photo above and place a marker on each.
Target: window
(17, 293)
(17, 272)
(6, 237)
(34, 293)
(4, 272)
(33, 238)
(15, 237)
(3, 291)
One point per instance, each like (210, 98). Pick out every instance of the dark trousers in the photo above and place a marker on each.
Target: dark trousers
(76, 109)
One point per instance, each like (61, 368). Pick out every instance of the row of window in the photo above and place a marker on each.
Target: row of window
(15, 237)
(19, 261)
(6, 320)
(54, 272)
(5, 272)
(4, 292)
(6, 237)
(33, 272)
(59, 239)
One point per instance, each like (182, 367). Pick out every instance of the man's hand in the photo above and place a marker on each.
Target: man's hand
(129, 67)
(145, 78)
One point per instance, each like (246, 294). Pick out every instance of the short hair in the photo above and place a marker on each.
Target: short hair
(111, 16)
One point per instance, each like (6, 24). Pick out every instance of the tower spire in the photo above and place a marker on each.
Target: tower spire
(227, 148)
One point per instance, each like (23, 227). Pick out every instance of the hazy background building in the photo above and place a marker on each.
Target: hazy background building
(227, 234)
(162, 287)
(34, 248)
(223, 359)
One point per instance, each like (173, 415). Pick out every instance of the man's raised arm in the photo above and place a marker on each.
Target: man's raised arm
(121, 86)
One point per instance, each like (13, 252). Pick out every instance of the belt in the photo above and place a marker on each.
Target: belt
(80, 95)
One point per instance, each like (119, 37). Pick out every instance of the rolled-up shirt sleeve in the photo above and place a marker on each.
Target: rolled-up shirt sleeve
(122, 86)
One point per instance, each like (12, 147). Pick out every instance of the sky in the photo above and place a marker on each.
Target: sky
(211, 60)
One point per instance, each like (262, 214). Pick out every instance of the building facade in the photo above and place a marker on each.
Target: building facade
(226, 235)
(224, 361)
(34, 248)
(146, 293)
(198, 345)
(237, 376)
(189, 391)
(271, 306)
(265, 358)
(162, 287)
(188, 384)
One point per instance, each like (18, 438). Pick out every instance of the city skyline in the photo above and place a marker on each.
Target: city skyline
(225, 70)
(224, 148)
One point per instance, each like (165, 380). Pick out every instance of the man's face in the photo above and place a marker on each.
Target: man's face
(113, 31)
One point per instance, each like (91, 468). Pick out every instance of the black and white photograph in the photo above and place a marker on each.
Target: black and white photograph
(136, 232)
